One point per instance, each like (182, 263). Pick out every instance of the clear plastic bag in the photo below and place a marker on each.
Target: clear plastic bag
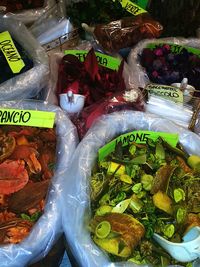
(48, 228)
(76, 200)
(31, 82)
(126, 32)
(30, 15)
(53, 30)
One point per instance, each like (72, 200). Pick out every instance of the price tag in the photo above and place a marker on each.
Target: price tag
(103, 60)
(27, 118)
(169, 92)
(131, 7)
(137, 137)
(10, 52)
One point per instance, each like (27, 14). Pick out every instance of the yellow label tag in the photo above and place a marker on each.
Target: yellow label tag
(27, 118)
(10, 52)
(131, 7)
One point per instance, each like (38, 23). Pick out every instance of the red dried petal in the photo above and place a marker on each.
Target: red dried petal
(13, 176)
(23, 152)
(91, 64)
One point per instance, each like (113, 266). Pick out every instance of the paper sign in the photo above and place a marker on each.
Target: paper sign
(131, 7)
(10, 52)
(137, 137)
(27, 118)
(168, 92)
(103, 60)
(176, 49)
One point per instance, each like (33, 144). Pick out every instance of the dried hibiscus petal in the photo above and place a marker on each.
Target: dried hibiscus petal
(14, 231)
(13, 176)
(29, 154)
(7, 146)
(24, 199)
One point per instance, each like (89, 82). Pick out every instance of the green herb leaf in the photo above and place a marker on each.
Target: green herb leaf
(25, 217)
(181, 215)
(137, 188)
(179, 195)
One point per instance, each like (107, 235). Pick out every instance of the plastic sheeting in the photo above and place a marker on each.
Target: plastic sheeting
(29, 83)
(75, 199)
(48, 228)
(30, 15)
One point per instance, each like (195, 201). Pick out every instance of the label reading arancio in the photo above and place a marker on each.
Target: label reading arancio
(10, 52)
(137, 137)
(103, 60)
(27, 118)
(165, 91)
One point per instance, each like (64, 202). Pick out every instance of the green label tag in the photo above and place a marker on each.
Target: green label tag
(168, 92)
(103, 60)
(131, 7)
(27, 118)
(176, 49)
(138, 137)
(141, 3)
(10, 52)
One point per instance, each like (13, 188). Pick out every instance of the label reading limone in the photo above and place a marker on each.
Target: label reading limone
(165, 91)
(137, 137)
(103, 60)
(10, 52)
(27, 118)
(131, 7)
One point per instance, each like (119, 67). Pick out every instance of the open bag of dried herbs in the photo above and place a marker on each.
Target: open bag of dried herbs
(121, 194)
(24, 67)
(36, 143)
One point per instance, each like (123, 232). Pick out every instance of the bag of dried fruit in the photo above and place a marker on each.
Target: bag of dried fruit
(25, 11)
(24, 67)
(37, 143)
(119, 196)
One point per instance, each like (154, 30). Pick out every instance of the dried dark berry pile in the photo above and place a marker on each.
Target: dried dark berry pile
(165, 67)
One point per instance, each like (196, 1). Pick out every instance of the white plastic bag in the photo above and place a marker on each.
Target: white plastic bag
(48, 228)
(31, 82)
(30, 15)
(76, 200)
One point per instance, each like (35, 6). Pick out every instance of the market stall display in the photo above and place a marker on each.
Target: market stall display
(78, 200)
(128, 195)
(33, 72)
(34, 164)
